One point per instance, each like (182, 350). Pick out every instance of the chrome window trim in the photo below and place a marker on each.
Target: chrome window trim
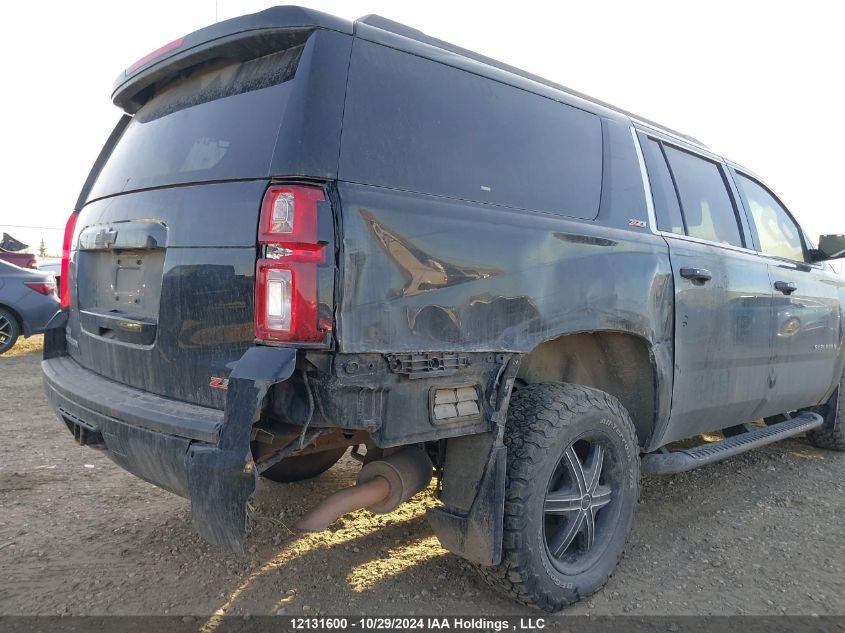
(669, 133)
(680, 143)
(698, 240)
(706, 154)
(652, 215)
(649, 197)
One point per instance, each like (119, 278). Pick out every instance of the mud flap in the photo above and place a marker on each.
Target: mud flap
(222, 478)
(55, 343)
(477, 534)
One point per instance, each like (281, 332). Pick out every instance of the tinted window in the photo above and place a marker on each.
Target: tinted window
(415, 124)
(777, 233)
(705, 202)
(666, 206)
(218, 123)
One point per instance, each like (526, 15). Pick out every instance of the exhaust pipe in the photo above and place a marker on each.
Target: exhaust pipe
(382, 485)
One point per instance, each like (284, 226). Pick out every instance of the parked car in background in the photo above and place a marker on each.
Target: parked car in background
(52, 266)
(12, 251)
(28, 301)
(23, 260)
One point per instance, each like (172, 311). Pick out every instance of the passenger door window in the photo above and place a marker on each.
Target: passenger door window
(707, 207)
(777, 233)
(666, 207)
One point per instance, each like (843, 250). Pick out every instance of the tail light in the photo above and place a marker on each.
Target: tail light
(45, 288)
(286, 274)
(67, 246)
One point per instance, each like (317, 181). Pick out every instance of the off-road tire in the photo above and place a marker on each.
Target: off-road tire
(10, 330)
(300, 467)
(543, 421)
(831, 435)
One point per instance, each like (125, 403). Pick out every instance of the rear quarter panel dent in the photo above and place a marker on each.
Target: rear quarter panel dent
(438, 274)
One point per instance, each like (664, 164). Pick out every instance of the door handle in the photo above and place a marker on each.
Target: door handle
(786, 287)
(701, 275)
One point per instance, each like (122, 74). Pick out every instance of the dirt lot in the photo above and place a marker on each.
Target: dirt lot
(762, 533)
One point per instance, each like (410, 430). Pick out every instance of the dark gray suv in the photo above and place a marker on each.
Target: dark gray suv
(307, 234)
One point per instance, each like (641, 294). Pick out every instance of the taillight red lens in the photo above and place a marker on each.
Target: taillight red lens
(286, 274)
(289, 216)
(67, 247)
(45, 288)
(286, 302)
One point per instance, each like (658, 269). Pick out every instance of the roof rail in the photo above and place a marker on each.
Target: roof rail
(397, 28)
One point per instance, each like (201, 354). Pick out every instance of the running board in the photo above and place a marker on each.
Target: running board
(669, 462)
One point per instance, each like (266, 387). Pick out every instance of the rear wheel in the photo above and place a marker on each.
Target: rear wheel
(572, 486)
(9, 330)
(301, 467)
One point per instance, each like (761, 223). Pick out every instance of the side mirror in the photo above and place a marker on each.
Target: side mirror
(830, 247)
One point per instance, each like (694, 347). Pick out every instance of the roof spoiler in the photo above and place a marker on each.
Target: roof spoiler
(242, 38)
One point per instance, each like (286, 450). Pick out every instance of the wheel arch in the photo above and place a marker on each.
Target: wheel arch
(621, 364)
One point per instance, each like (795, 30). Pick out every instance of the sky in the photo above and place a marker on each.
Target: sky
(758, 82)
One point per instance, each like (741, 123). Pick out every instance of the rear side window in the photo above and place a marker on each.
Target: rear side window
(777, 233)
(219, 122)
(666, 206)
(418, 125)
(707, 207)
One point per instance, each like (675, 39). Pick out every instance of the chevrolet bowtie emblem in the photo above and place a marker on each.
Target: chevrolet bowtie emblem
(105, 238)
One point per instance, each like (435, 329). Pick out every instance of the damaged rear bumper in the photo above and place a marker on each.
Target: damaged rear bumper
(196, 452)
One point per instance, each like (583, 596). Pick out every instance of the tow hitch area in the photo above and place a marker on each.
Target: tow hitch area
(85, 434)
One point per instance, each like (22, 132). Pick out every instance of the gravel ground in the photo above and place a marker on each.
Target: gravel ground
(761, 533)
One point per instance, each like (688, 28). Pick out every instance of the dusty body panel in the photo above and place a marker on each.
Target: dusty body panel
(722, 339)
(743, 349)
(524, 277)
(807, 353)
(421, 284)
(217, 475)
(196, 294)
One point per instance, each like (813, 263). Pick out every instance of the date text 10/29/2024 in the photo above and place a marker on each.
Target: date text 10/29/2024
(417, 623)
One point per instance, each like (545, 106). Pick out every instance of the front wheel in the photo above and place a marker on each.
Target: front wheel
(831, 435)
(572, 486)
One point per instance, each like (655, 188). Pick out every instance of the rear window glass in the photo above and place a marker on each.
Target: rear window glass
(418, 125)
(218, 123)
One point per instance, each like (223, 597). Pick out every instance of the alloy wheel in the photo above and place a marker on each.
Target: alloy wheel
(580, 494)
(5, 332)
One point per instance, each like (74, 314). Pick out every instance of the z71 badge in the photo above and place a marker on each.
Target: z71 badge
(640, 224)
